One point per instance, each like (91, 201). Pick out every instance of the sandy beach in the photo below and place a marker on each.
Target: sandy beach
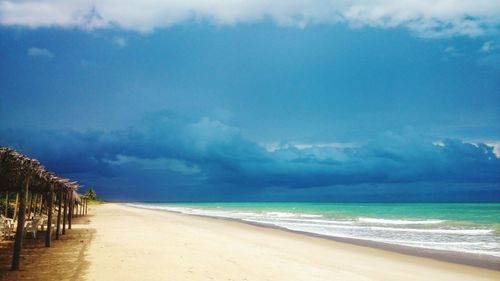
(119, 242)
(137, 244)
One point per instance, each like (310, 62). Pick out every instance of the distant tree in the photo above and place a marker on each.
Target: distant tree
(90, 193)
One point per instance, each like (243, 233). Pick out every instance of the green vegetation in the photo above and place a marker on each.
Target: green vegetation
(92, 196)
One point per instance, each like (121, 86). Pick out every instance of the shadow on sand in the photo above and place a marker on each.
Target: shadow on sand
(64, 260)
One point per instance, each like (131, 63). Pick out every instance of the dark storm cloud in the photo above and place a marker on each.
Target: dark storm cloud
(211, 153)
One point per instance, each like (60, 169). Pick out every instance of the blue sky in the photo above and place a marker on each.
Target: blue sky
(248, 100)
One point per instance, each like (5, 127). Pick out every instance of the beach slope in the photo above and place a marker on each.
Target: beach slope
(139, 244)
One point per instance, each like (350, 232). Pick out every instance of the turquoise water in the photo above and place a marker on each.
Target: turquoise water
(471, 228)
(474, 213)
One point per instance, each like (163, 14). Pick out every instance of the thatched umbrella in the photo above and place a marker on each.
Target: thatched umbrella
(19, 173)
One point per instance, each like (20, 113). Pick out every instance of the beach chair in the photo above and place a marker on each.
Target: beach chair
(7, 225)
(32, 227)
(41, 222)
(3, 231)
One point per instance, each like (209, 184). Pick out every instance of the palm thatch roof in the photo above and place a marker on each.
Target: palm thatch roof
(16, 169)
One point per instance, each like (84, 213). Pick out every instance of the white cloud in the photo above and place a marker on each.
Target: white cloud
(171, 164)
(120, 42)
(491, 60)
(275, 146)
(40, 53)
(487, 47)
(490, 55)
(452, 52)
(322, 145)
(450, 49)
(429, 18)
(496, 148)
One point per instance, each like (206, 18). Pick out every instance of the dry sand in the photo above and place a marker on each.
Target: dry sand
(137, 244)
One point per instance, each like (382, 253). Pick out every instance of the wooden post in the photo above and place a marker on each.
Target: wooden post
(6, 204)
(18, 244)
(15, 206)
(65, 213)
(48, 233)
(36, 204)
(70, 213)
(34, 207)
(41, 205)
(29, 207)
(86, 205)
(59, 215)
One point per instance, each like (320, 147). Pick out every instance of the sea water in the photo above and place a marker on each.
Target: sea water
(468, 228)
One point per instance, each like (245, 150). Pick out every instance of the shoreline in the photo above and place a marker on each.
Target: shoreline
(460, 258)
(142, 244)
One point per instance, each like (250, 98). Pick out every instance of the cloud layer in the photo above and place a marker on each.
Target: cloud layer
(210, 153)
(40, 53)
(425, 17)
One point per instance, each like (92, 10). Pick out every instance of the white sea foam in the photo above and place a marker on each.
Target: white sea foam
(398, 222)
(318, 221)
(246, 214)
(392, 229)
(441, 231)
(310, 216)
(281, 214)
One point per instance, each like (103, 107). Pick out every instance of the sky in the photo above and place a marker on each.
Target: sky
(237, 100)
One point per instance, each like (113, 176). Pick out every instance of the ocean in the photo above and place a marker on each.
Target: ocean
(457, 227)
